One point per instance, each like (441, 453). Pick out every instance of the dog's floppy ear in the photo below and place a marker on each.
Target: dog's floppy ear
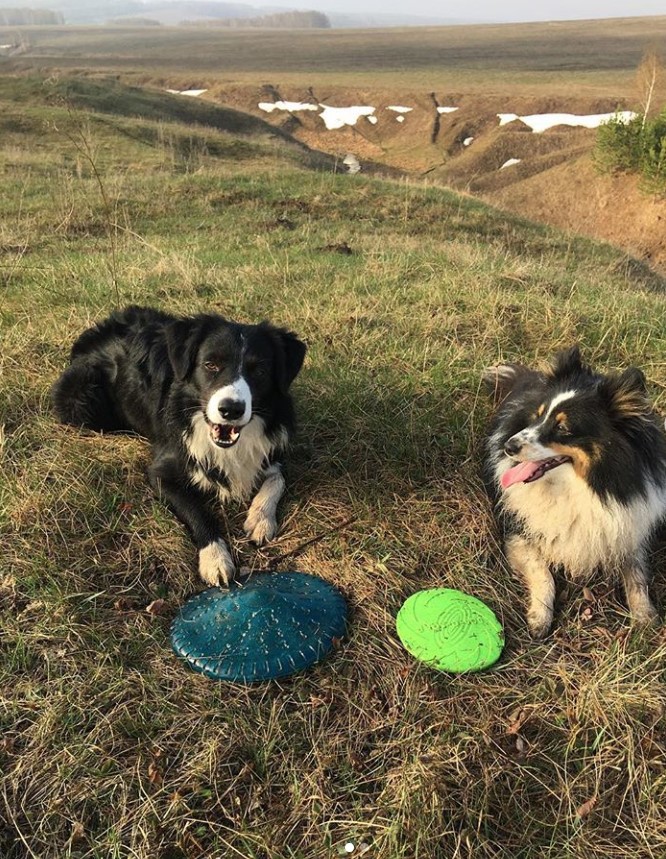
(499, 381)
(183, 338)
(626, 394)
(567, 362)
(290, 354)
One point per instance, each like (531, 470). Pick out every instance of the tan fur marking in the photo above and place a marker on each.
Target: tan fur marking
(541, 410)
(582, 460)
(631, 404)
(561, 418)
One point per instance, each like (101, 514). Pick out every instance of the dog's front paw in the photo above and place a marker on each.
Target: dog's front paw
(216, 566)
(647, 615)
(260, 527)
(539, 623)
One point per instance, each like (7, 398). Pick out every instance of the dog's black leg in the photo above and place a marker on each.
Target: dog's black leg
(635, 577)
(190, 505)
(526, 560)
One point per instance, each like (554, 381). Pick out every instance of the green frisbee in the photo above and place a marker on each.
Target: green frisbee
(450, 631)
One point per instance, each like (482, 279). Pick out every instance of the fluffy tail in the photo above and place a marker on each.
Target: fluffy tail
(82, 397)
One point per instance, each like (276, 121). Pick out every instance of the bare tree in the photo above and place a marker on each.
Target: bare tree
(650, 80)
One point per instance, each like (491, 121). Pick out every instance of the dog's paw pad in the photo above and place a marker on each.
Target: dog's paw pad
(260, 528)
(216, 566)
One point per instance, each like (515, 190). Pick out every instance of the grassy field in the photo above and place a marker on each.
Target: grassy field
(109, 746)
(595, 57)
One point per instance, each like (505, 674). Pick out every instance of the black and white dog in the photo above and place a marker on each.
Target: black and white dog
(213, 398)
(577, 463)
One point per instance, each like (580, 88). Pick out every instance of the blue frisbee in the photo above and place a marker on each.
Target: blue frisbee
(272, 625)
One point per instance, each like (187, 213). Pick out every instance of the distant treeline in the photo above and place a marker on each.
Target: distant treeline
(19, 17)
(133, 22)
(278, 21)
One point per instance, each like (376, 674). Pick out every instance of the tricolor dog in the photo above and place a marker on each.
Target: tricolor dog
(213, 398)
(577, 464)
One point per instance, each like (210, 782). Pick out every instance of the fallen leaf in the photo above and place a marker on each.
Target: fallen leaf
(521, 745)
(122, 604)
(587, 614)
(517, 720)
(158, 607)
(7, 745)
(78, 832)
(586, 807)
(154, 774)
(588, 595)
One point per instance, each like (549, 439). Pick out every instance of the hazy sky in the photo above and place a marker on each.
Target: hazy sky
(490, 10)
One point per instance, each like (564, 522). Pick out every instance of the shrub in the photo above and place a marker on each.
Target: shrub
(636, 146)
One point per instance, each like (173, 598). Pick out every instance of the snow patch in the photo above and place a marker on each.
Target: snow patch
(192, 92)
(372, 119)
(539, 122)
(510, 163)
(467, 141)
(352, 163)
(396, 108)
(400, 119)
(447, 109)
(337, 117)
(291, 106)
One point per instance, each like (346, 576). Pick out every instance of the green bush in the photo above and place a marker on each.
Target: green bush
(637, 146)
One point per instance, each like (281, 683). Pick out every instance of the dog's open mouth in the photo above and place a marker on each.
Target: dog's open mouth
(224, 435)
(528, 472)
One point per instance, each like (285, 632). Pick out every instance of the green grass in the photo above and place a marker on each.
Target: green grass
(110, 747)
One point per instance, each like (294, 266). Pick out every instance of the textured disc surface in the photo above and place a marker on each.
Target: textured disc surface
(450, 630)
(272, 625)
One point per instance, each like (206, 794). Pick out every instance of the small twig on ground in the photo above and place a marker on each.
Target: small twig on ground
(297, 551)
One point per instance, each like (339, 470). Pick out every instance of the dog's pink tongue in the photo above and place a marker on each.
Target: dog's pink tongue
(518, 473)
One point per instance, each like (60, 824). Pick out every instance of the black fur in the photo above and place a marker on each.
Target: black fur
(627, 448)
(576, 463)
(148, 372)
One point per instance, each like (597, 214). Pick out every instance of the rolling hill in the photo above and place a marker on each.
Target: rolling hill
(404, 293)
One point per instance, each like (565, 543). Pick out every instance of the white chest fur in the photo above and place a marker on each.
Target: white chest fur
(242, 463)
(574, 527)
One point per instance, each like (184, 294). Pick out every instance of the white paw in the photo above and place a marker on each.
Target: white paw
(260, 527)
(646, 615)
(216, 566)
(539, 623)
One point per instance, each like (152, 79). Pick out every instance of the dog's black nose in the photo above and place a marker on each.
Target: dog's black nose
(231, 410)
(512, 446)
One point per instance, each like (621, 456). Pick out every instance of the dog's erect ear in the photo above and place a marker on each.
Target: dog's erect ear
(568, 362)
(626, 394)
(499, 381)
(183, 338)
(290, 354)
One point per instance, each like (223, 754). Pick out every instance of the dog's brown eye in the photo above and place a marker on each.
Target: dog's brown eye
(212, 367)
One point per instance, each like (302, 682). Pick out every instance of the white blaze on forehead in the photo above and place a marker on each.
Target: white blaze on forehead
(238, 391)
(557, 401)
(530, 435)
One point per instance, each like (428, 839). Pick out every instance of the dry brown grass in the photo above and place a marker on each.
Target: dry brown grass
(110, 747)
